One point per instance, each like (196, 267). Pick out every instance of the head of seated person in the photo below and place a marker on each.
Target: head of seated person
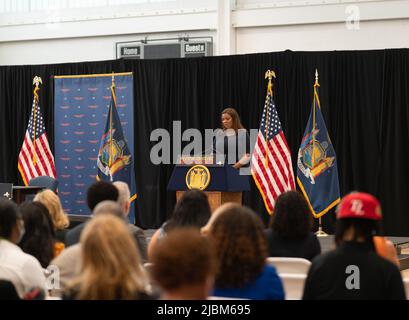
(11, 221)
(100, 191)
(184, 265)
(124, 196)
(111, 266)
(240, 245)
(48, 198)
(205, 230)
(359, 219)
(109, 207)
(38, 239)
(192, 210)
(292, 218)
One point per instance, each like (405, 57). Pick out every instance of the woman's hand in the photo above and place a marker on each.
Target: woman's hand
(237, 165)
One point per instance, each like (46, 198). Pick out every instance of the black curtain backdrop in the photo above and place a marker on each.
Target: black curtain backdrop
(364, 98)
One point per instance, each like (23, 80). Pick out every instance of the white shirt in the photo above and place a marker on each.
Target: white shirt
(20, 268)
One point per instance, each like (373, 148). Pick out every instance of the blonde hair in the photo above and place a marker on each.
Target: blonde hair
(111, 266)
(53, 204)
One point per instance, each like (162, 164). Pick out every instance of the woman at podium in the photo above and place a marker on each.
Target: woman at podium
(233, 141)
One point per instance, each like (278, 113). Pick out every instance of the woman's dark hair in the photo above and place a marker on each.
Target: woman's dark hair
(9, 214)
(100, 191)
(240, 245)
(192, 210)
(292, 218)
(363, 228)
(38, 239)
(236, 123)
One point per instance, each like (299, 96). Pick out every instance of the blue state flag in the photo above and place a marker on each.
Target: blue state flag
(114, 160)
(317, 173)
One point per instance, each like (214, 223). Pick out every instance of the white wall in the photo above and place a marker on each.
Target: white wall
(323, 37)
(89, 34)
(72, 49)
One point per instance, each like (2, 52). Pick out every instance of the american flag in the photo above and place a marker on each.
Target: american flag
(35, 158)
(271, 166)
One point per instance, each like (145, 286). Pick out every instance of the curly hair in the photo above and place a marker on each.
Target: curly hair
(292, 218)
(240, 246)
(183, 257)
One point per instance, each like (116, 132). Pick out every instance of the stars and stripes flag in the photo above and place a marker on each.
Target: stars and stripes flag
(35, 158)
(271, 165)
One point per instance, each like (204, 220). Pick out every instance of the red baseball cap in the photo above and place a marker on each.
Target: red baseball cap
(359, 205)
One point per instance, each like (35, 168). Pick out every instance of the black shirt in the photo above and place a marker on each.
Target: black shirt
(307, 248)
(377, 277)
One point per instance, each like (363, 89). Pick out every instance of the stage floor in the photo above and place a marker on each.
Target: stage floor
(401, 243)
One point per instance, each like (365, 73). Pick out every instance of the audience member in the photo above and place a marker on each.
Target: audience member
(354, 270)
(60, 220)
(111, 267)
(242, 250)
(192, 210)
(96, 193)
(16, 266)
(8, 291)
(38, 239)
(125, 203)
(290, 233)
(69, 261)
(184, 265)
(205, 230)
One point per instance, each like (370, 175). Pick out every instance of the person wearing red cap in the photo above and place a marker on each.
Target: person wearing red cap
(356, 270)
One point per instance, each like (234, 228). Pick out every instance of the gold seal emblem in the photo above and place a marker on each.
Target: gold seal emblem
(198, 177)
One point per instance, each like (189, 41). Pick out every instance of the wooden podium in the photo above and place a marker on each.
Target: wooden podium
(17, 193)
(217, 198)
(221, 182)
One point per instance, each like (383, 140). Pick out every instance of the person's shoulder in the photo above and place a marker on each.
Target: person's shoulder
(312, 235)
(136, 230)
(76, 229)
(269, 270)
(385, 263)
(323, 259)
(30, 264)
(70, 253)
(311, 238)
(74, 233)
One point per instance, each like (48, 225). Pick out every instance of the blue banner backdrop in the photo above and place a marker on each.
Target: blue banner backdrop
(81, 107)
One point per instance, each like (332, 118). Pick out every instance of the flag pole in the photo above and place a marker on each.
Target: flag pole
(269, 74)
(111, 150)
(37, 80)
(320, 232)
